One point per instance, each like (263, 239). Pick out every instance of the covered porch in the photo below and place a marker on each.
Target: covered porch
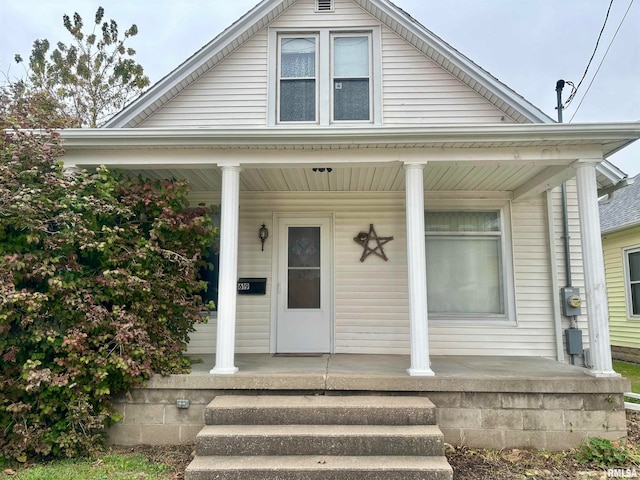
(255, 175)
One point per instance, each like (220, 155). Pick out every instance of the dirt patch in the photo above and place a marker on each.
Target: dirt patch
(467, 463)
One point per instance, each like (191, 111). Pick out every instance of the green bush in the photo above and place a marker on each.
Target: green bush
(98, 291)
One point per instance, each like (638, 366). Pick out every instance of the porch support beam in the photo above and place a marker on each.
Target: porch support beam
(417, 269)
(229, 208)
(546, 180)
(594, 274)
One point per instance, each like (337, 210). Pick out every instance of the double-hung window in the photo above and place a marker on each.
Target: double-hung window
(298, 85)
(632, 281)
(325, 77)
(351, 77)
(466, 274)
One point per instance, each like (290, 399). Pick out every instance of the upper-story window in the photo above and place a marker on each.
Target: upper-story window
(351, 77)
(298, 86)
(325, 77)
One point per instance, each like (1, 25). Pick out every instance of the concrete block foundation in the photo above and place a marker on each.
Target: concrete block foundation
(538, 404)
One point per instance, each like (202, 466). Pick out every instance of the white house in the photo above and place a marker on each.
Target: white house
(340, 123)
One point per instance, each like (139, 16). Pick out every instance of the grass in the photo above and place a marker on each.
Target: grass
(107, 467)
(632, 372)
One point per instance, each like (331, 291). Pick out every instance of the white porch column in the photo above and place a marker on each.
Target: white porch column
(417, 266)
(595, 283)
(229, 206)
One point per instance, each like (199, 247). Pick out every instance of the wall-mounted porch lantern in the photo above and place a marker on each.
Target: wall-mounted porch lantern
(263, 233)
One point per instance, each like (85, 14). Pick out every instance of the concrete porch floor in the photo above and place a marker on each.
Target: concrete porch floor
(344, 372)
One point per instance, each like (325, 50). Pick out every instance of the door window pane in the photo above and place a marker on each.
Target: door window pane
(304, 289)
(304, 247)
(303, 268)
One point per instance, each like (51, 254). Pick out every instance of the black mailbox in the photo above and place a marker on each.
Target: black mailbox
(252, 286)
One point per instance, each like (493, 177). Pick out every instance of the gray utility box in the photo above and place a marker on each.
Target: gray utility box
(573, 337)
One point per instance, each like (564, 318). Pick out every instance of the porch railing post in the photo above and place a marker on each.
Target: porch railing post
(229, 208)
(594, 274)
(417, 269)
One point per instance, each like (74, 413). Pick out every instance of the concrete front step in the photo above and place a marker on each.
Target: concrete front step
(343, 440)
(319, 468)
(326, 410)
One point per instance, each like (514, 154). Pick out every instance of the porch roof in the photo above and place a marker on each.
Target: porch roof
(522, 160)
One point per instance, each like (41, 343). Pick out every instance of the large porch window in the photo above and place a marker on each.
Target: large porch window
(466, 275)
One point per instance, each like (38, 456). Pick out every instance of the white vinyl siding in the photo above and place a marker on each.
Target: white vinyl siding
(371, 303)
(418, 91)
(233, 94)
(414, 90)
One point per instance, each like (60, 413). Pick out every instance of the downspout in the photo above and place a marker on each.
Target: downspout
(557, 310)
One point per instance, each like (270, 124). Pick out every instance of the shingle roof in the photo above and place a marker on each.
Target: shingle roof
(623, 210)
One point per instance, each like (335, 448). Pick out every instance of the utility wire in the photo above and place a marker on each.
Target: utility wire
(602, 61)
(586, 70)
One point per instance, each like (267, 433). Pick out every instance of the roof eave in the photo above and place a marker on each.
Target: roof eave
(599, 133)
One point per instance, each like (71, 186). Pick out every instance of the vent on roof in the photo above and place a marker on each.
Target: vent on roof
(324, 5)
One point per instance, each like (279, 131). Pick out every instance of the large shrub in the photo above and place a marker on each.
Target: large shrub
(98, 291)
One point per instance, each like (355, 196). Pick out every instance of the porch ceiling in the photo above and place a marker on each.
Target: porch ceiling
(388, 178)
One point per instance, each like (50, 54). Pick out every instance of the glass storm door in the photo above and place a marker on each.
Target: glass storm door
(304, 286)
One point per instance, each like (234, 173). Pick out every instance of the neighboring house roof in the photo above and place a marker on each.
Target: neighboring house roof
(623, 210)
(458, 65)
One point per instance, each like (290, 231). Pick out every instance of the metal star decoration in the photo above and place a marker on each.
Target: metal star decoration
(364, 238)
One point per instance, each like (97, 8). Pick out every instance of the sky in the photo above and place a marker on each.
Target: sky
(526, 44)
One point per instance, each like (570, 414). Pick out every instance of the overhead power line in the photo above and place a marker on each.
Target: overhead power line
(602, 61)
(586, 70)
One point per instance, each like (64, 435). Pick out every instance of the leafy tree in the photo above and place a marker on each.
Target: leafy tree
(98, 291)
(94, 76)
(22, 107)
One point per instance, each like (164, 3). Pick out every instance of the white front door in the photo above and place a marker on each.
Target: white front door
(304, 313)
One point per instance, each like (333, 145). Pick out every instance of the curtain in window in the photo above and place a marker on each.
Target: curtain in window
(464, 263)
(297, 80)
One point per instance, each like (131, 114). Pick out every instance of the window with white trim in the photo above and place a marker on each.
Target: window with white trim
(632, 281)
(351, 77)
(325, 77)
(297, 85)
(467, 275)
